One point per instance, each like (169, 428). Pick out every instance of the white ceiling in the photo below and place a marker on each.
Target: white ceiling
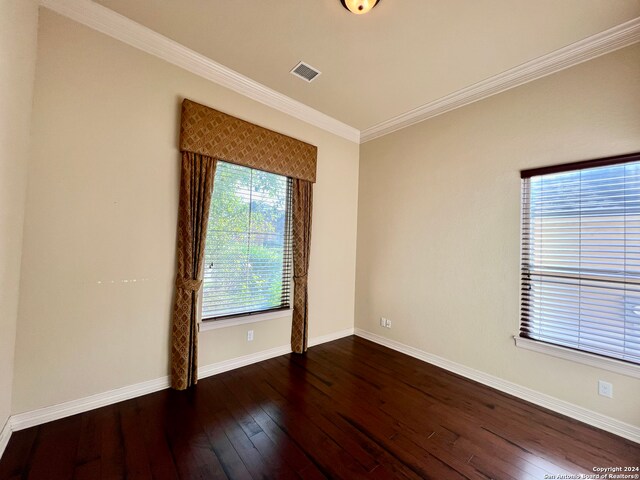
(403, 54)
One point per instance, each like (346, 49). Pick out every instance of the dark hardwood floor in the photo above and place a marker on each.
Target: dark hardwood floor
(348, 409)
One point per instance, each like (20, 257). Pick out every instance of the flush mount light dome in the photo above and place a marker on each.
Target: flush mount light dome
(359, 6)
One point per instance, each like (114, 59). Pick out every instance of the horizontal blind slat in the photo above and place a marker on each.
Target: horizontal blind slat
(248, 252)
(580, 283)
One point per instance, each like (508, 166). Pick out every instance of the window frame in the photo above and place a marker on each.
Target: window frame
(576, 355)
(241, 318)
(244, 319)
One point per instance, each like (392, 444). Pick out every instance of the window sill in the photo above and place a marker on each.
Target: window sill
(590, 359)
(207, 325)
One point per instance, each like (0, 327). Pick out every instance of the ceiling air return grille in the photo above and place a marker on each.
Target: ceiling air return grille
(305, 71)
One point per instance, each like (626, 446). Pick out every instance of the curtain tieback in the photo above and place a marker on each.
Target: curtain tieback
(188, 284)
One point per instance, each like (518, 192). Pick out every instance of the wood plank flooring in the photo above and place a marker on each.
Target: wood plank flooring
(349, 409)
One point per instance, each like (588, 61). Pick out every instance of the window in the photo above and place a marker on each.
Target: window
(581, 257)
(248, 256)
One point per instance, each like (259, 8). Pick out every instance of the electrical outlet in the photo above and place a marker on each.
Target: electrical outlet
(383, 322)
(388, 323)
(605, 389)
(250, 336)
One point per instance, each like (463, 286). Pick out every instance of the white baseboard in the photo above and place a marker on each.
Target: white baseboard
(234, 363)
(62, 410)
(584, 415)
(226, 365)
(5, 435)
(55, 412)
(330, 337)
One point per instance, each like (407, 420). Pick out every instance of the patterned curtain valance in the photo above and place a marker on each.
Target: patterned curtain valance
(206, 131)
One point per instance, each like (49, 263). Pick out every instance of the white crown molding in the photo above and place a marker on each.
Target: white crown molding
(132, 33)
(589, 48)
(5, 435)
(584, 415)
(62, 410)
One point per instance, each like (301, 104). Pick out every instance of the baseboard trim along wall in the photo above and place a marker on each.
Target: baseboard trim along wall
(62, 410)
(66, 409)
(5, 435)
(56, 412)
(584, 415)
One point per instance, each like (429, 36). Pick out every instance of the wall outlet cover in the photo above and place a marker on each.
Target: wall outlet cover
(605, 389)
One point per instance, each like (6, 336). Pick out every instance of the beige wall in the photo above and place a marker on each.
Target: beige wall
(438, 231)
(438, 223)
(99, 258)
(18, 30)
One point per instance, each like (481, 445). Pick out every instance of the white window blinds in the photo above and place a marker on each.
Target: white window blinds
(581, 257)
(248, 256)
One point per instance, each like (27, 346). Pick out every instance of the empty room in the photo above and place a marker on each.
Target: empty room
(341, 239)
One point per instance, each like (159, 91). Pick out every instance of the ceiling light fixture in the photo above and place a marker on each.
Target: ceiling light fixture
(359, 6)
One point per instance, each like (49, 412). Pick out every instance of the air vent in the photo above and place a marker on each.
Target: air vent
(305, 71)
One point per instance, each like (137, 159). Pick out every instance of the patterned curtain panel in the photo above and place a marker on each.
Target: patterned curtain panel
(196, 187)
(217, 135)
(207, 135)
(302, 207)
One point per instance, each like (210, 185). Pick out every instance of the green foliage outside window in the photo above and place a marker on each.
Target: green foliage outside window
(248, 242)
